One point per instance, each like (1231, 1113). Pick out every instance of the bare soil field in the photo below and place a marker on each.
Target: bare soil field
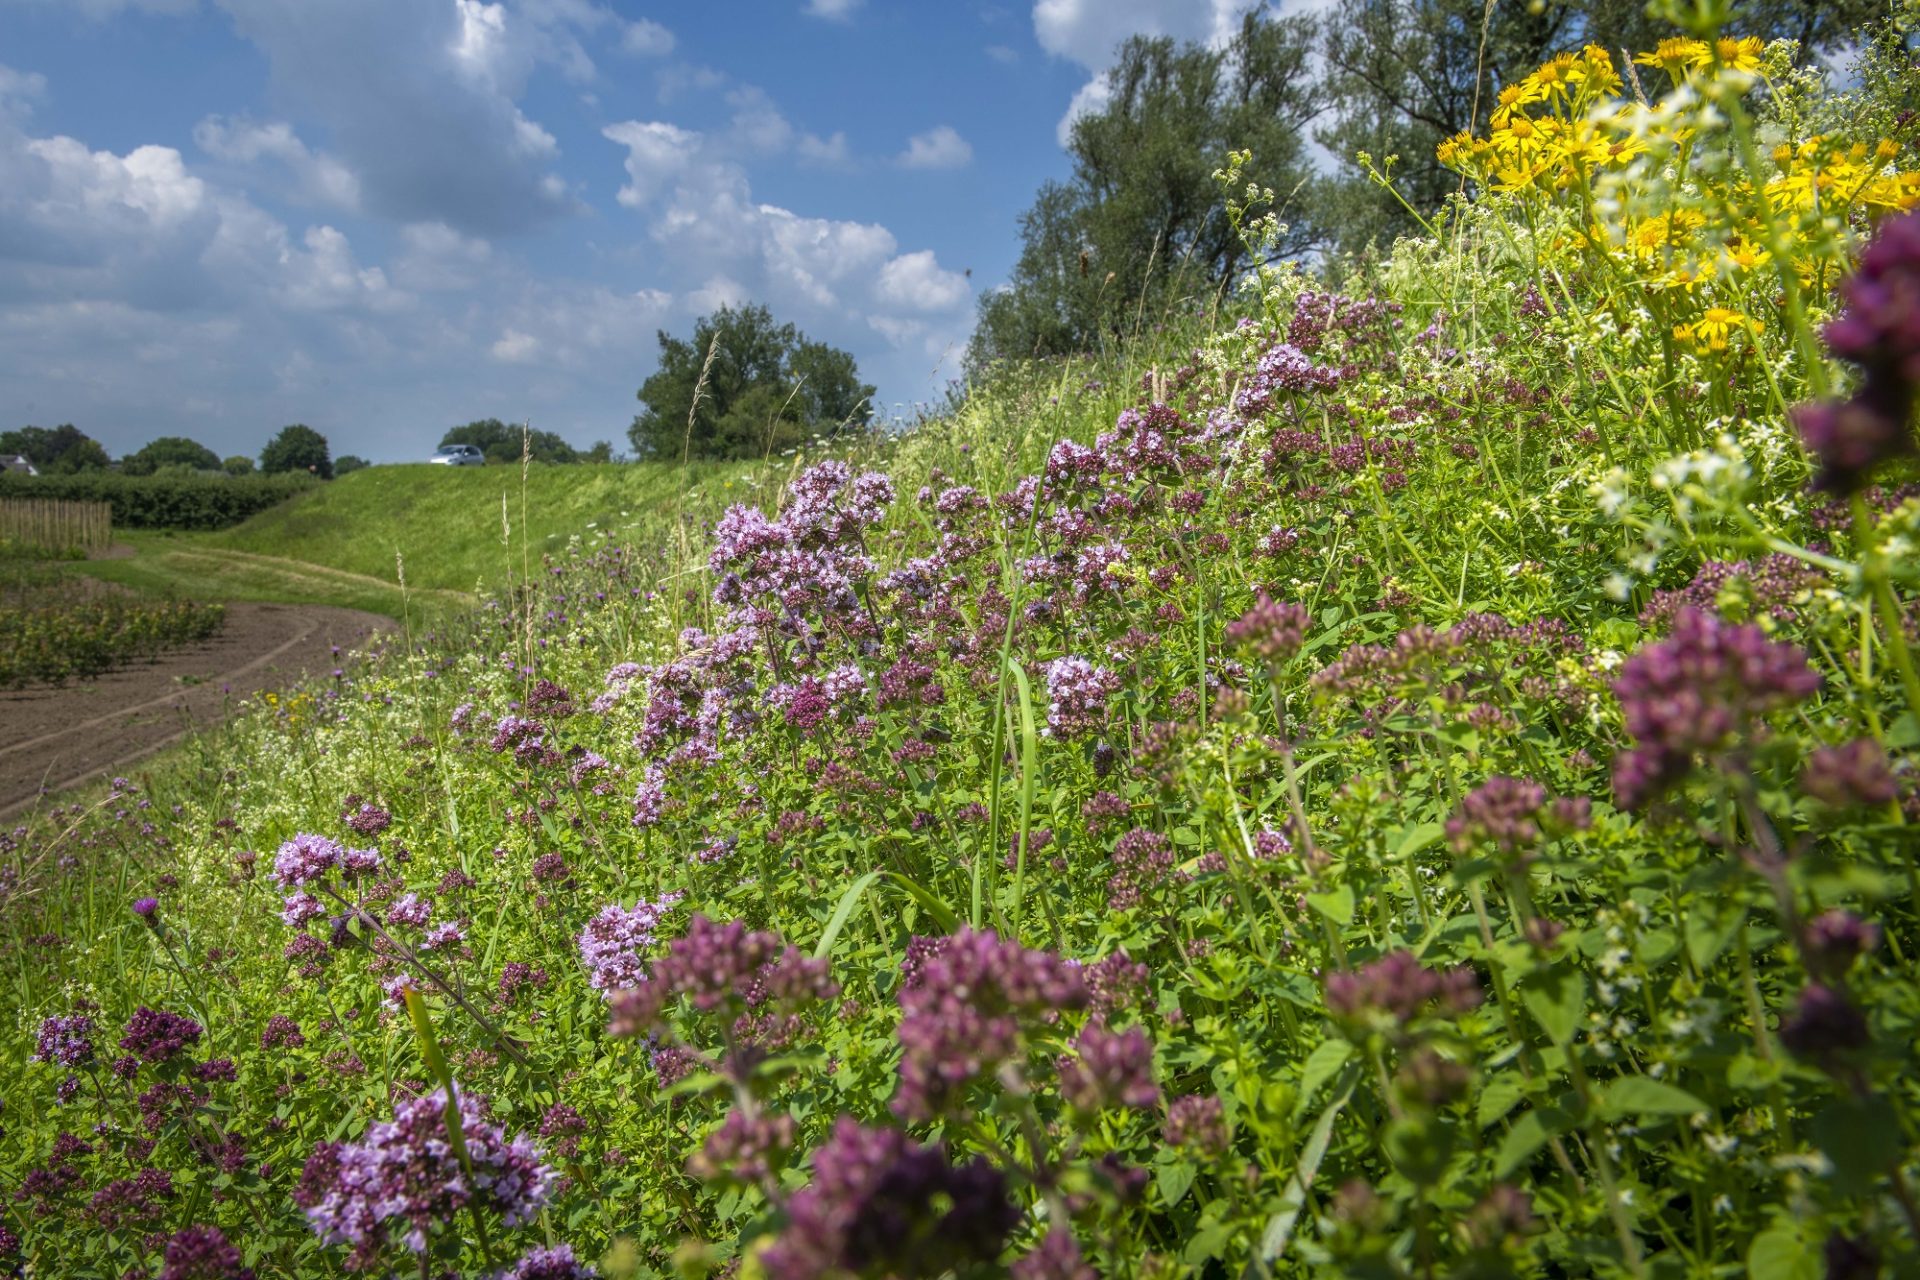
(54, 738)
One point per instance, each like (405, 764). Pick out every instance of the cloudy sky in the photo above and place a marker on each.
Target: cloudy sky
(386, 217)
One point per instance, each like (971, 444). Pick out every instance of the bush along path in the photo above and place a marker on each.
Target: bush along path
(1421, 783)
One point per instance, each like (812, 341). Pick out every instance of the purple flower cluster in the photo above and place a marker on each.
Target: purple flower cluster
(65, 1040)
(1693, 692)
(203, 1253)
(1880, 332)
(745, 1148)
(725, 968)
(1198, 1123)
(882, 1204)
(404, 1174)
(1393, 990)
(1853, 774)
(154, 1035)
(282, 1032)
(1077, 693)
(368, 820)
(612, 943)
(305, 859)
(1143, 861)
(964, 999)
(1513, 816)
(1283, 368)
(1833, 940)
(556, 1262)
(1826, 1028)
(1109, 1069)
(1773, 585)
(1270, 631)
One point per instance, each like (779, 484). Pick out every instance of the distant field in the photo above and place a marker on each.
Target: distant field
(338, 544)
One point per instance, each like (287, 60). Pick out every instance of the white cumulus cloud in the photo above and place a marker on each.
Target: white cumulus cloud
(937, 148)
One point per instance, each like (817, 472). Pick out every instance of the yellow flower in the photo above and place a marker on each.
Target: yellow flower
(1554, 75)
(1676, 56)
(1743, 255)
(1739, 55)
(1715, 326)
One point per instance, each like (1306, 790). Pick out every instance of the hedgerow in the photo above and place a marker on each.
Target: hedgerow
(168, 501)
(1422, 783)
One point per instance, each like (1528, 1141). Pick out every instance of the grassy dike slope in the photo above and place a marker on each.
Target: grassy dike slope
(341, 543)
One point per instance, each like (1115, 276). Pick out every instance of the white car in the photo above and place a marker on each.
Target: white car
(459, 455)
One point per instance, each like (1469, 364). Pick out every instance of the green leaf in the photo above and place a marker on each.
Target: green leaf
(1501, 1094)
(1528, 1134)
(838, 921)
(1861, 1136)
(1556, 998)
(1416, 839)
(943, 915)
(1174, 1178)
(1644, 1096)
(1710, 929)
(1782, 1253)
(1279, 1230)
(1335, 904)
(1328, 1057)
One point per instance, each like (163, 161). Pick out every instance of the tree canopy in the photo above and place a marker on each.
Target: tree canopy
(768, 388)
(1140, 221)
(1402, 76)
(501, 442)
(297, 448)
(170, 451)
(348, 462)
(55, 451)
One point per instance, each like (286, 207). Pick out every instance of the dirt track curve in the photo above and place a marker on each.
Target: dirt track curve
(54, 738)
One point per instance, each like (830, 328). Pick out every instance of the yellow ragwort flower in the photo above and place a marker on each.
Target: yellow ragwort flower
(1742, 54)
(1676, 56)
(1715, 327)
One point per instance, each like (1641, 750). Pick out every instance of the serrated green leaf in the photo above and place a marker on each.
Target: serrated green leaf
(1556, 998)
(1645, 1096)
(1335, 904)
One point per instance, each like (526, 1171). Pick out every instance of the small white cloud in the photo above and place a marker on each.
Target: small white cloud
(757, 123)
(657, 153)
(917, 282)
(940, 148)
(646, 39)
(1003, 54)
(717, 292)
(515, 347)
(827, 153)
(1090, 99)
(18, 89)
(832, 10)
(327, 277)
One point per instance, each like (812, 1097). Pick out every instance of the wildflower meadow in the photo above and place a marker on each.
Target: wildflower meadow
(1410, 770)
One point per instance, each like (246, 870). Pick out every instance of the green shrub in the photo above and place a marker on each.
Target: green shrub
(69, 637)
(170, 501)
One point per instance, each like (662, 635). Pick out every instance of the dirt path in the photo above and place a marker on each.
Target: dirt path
(51, 739)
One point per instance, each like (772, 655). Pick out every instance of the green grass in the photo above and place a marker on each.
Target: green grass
(343, 542)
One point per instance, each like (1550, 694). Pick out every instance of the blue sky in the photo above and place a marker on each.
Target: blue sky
(387, 217)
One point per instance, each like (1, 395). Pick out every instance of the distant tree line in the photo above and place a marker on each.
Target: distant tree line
(298, 448)
(1138, 223)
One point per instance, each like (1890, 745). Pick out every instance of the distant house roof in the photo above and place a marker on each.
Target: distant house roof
(15, 462)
